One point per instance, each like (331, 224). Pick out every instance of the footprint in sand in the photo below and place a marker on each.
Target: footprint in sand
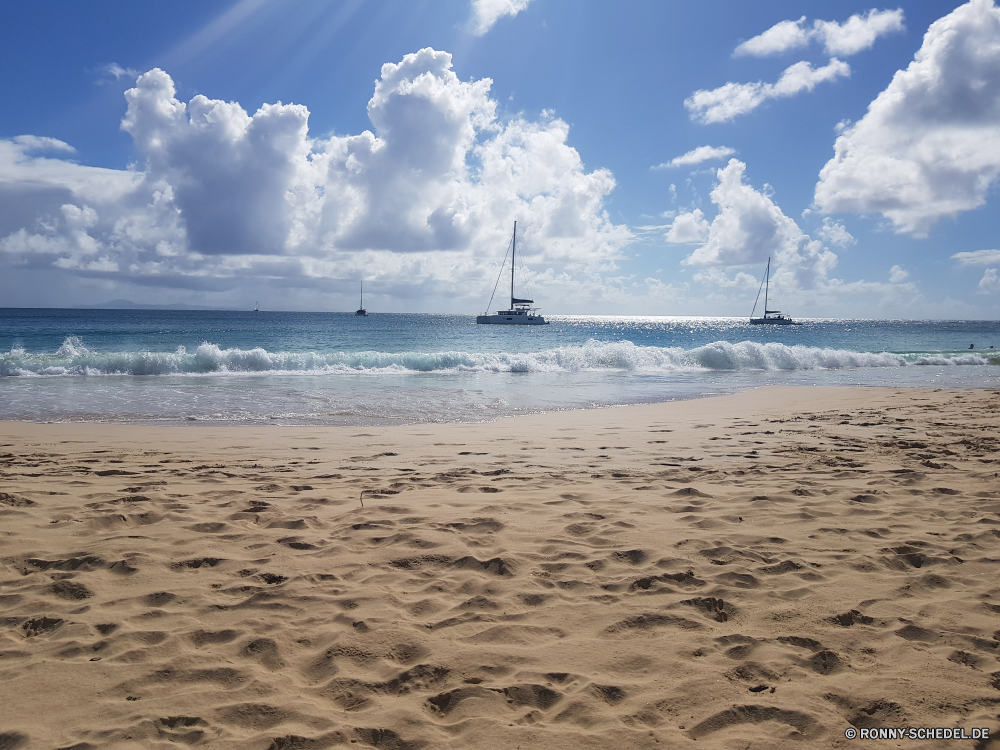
(804, 724)
(71, 590)
(213, 637)
(264, 651)
(41, 626)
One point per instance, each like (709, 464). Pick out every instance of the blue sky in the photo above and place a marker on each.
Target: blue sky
(144, 155)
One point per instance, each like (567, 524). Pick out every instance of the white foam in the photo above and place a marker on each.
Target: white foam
(74, 359)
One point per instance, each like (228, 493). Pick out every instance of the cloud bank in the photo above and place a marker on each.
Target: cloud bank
(221, 197)
(929, 145)
(857, 33)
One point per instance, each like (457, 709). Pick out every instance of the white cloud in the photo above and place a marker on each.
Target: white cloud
(978, 258)
(233, 178)
(697, 156)
(116, 71)
(688, 228)
(222, 198)
(36, 143)
(717, 278)
(857, 33)
(750, 228)
(24, 176)
(485, 13)
(929, 145)
(836, 234)
(733, 99)
(990, 283)
(897, 275)
(783, 36)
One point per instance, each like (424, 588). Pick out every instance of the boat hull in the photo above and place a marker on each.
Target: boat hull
(773, 322)
(512, 320)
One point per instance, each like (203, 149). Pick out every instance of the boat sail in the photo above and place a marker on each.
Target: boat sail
(361, 307)
(771, 317)
(521, 311)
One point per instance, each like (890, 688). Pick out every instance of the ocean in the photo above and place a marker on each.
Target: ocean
(227, 367)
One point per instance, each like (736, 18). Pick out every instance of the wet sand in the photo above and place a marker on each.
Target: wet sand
(762, 570)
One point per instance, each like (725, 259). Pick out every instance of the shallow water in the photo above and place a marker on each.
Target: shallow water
(334, 368)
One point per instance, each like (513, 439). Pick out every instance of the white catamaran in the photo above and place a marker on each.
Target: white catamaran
(521, 311)
(771, 317)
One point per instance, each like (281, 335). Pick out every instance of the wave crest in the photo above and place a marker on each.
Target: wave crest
(73, 358)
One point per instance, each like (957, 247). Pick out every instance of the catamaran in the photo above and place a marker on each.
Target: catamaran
(521, 311)
(771, 317)
(361, 307)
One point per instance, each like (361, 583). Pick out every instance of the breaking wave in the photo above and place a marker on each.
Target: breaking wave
(73, 358)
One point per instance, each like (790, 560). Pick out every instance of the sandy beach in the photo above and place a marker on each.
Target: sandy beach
(761, 570)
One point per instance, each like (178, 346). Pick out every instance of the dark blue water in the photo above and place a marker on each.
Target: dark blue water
(333, 368)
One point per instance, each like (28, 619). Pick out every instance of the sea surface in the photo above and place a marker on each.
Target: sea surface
(218, 367)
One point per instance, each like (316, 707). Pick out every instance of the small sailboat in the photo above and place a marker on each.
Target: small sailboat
(521, 311)
(256, 306)
(361, 307)
(771, 317)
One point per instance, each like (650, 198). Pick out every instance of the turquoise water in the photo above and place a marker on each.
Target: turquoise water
(334, 368)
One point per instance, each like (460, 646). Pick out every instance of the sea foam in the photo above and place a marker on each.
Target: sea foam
(75, 359)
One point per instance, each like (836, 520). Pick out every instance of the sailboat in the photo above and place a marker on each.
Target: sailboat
(361, 307)
(771, 317)
(521, 311)
(256, 307)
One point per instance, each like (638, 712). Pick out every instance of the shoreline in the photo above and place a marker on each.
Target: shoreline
(765, 567)
(732, 390)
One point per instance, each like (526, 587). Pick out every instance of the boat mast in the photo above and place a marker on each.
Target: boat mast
(767, 286)
(513, 246)
(362, 305)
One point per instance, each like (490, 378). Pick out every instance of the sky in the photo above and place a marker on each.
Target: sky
(655, 155)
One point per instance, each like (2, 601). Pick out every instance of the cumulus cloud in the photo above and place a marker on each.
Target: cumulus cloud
(990, 283)
(697, 156)
(485, 13)
(836, 234)
(688, 228)
(978, 258)
(897, 275)
(749, 228)
(232, 176)
(733, 99)
(929, 145)
(857, 33)
(221, 197)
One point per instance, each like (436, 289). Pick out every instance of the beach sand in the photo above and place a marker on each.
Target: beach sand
(761, 570)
